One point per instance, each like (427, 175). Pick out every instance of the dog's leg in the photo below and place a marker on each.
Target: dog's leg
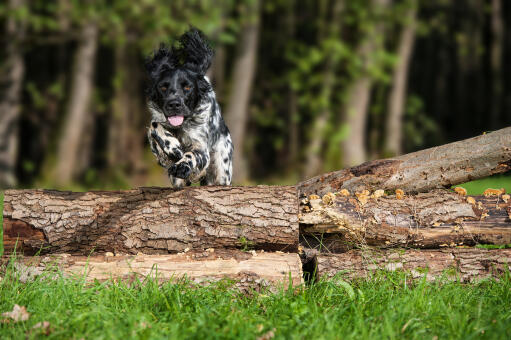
(164, 145)
(178, 182)
(192, 166)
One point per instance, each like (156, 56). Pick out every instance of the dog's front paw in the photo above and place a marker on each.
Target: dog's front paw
(180, 170)
(166, 142)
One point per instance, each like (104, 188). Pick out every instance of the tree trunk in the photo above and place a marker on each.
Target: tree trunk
(497, 30)
(439, 218)
(151, 220)
(125, 140)
(12, 72)
(78, 113)
(397, 96)
(241, 86)
(250, 269)
(293, 113)
(357, 102)
(438, 167)
(313, 163)
(466, 265)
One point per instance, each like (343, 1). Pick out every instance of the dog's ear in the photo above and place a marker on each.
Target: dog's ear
(165, 58)
(196, 52)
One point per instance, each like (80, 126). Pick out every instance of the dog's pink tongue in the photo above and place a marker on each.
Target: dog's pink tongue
(176, 120)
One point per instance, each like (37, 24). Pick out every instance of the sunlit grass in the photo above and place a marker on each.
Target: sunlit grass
(386, 306)
(496, 182)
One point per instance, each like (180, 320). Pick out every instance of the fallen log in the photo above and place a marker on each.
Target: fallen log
(151, 220)
(464, 264)
(439, 218)
(438, 167)
(248, 269)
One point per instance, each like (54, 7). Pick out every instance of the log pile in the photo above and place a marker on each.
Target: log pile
(393, 214)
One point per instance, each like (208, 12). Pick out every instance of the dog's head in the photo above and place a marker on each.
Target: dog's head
(177, 77)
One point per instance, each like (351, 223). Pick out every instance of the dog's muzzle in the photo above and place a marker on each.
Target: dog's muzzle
(173, 112)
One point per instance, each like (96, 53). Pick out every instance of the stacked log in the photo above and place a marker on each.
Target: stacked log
(212, 232)
(355, 219)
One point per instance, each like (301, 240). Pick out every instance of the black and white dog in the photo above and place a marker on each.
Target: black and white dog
(187, 135)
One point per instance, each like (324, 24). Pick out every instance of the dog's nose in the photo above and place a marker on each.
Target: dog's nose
(173, 105)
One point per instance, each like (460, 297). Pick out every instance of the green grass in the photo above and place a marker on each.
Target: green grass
(1, 222)
(383, 307)
(496, 182)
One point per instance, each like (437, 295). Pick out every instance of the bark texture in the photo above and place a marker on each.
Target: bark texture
(435, 219)
(438, 167)
(250, 270)
(466, 265)
(12, 70)
(151, 220)
(78, 114)
(237, 111)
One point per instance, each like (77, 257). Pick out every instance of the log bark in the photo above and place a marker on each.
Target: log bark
(250, 270)
(466, 265)
(436, 219)
(151, 220)
(438, 167)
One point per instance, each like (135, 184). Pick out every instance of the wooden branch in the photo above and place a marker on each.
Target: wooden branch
(435, 219)
(438, 167)
(151, 220)
(459, 263)
(252, 269)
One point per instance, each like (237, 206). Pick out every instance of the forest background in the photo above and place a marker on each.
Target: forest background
(305, 86)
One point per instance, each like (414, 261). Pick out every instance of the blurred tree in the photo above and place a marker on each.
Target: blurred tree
(125, 141)
(397, 96)
(244, 68)
(497, 43)
(329, 31)
(11, 77)
(358, 95)
(79, 116)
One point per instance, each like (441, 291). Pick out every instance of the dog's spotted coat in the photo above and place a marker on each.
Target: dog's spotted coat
(199, 148)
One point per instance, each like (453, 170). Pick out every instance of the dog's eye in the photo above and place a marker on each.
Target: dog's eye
(187, 88)
(163, 88)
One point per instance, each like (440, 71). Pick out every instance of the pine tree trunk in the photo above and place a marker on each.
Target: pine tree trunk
(397, 96)
(237, 112)
(11, 73)
(78, 113)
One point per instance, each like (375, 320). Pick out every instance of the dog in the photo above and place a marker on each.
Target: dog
(187, 133)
